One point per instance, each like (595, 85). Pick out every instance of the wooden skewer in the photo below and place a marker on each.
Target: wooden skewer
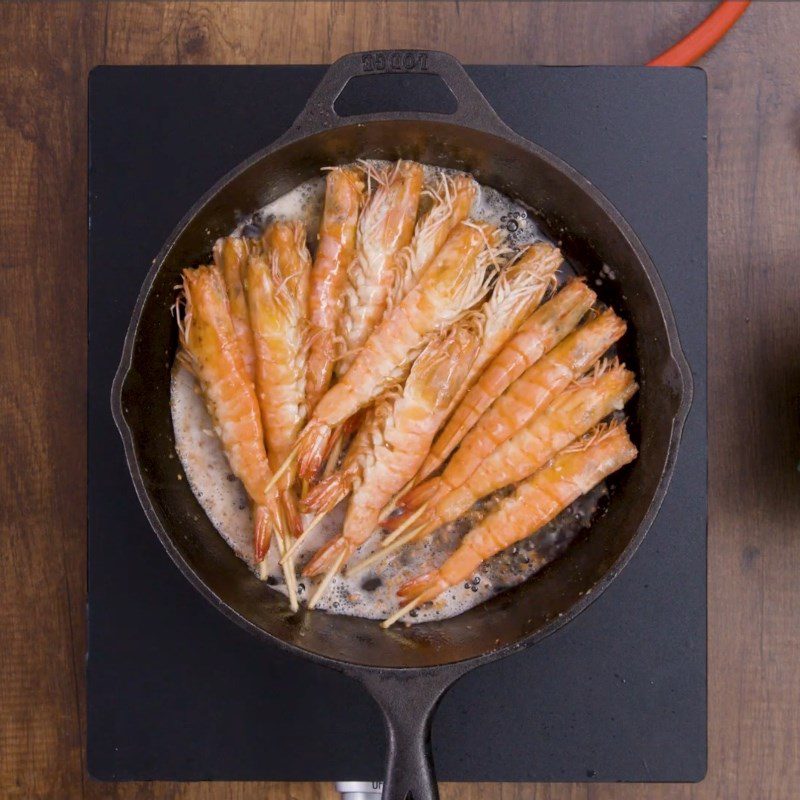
(406, 525)
(288, 572)
(329, 575)
(387, 623)
(392, 504)
(336, 451)
(299, 540)
(383, 552)
(282, 468)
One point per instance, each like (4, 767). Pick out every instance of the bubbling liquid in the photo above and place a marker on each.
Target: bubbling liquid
(370, 594)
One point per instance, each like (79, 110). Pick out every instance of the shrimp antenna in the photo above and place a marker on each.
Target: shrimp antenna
(387, 623)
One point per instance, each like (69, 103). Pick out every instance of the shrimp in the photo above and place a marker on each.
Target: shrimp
(209, 349)
(452, 199)
(535, 502)
(230, 256)
(530, 393)
(385, 227)
(580, 407)
(408, 423)
(539, 333)
(278, 318)
(456, 280)
(344, 195)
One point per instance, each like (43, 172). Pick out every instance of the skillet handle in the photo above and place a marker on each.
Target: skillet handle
(473, 109)
(408, 699)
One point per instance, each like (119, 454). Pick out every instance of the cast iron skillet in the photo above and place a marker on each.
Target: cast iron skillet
(408, 669)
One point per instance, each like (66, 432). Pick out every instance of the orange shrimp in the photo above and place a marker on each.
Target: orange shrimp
(452, 198)
(579, 408)
(455, 281)
(278, 319)
(407, 424)
(535, 502)
(542, 331)
(230, 256)
(344, 195)
(209, 349)
(385, 227)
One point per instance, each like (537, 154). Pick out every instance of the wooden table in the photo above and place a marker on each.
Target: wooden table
(754, 347)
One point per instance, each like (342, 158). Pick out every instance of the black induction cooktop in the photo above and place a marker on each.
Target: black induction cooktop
(177, 691)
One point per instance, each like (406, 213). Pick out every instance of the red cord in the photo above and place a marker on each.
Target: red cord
(699, 41)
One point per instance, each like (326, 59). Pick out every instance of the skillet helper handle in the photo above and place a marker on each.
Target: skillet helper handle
(408, 700)
(473, 109)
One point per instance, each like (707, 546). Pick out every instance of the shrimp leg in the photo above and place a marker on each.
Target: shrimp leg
(454, 282)
(409, 422)
(531, 392)
(579, 408)
(344, 195)
(211, 351)
(536, 501)
(541, 332)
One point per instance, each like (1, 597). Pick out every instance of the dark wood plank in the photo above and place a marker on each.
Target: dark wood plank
(47, 50)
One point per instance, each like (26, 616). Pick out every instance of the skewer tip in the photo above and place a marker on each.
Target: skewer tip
(329, 576)
(406, 525)
(408, 607)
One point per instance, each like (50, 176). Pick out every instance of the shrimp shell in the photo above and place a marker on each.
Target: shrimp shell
(230, 256)
(456, 280)
(542, 331)
(385, 227)
(211, 351)
(535, 502)
(406, 425)
(344, 195)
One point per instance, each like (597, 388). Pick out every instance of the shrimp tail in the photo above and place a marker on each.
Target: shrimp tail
(294, 523)
(425, 587)
(327, 555)
(329, 492)
(311, 447)
(419, 494)
(263, 531)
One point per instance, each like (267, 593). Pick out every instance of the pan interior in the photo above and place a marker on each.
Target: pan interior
(590, 236)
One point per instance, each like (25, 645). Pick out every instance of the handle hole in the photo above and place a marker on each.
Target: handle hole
(395, 91)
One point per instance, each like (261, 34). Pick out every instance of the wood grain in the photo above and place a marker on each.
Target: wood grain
(47, 50)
